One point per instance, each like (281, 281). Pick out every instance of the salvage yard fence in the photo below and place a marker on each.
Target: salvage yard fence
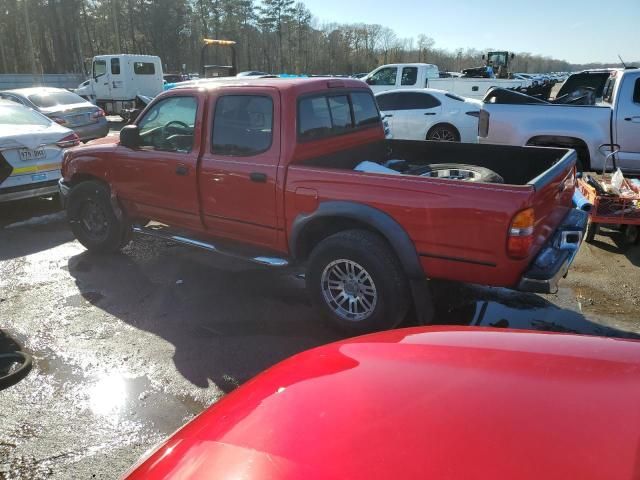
(60, 80)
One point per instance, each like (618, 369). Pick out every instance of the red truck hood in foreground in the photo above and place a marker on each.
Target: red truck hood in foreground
(427, 403)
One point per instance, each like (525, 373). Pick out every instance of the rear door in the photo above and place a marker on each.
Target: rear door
(416, 113)
(627, 123)
(238, 169)
(158, 179)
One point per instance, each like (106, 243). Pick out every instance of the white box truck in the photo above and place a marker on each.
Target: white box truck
(118, 80)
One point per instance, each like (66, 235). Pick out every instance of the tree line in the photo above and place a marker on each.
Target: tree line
(275, 36)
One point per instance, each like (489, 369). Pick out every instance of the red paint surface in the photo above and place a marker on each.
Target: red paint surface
(424, 403)
(459, 220)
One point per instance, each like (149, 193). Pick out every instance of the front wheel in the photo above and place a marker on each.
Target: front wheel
(357, 282)
(93, 220)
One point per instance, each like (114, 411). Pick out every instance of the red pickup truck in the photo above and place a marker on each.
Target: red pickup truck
(269, 170)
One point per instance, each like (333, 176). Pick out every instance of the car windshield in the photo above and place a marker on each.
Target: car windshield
(19, 115)
(53, 99)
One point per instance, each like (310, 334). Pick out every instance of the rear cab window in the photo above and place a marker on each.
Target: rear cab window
(327, 115)
(144, 68)
(242, 125)
(115, 66)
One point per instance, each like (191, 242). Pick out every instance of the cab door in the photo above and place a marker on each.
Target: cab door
(238, 170)
(627, 123)
(101, 79)
(158, 179)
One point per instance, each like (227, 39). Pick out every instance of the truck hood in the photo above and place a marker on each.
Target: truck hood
(424, 403)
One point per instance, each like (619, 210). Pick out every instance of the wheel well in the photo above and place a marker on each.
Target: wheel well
(323, 228)
(578, 145)
(83, 177)
(445, 124)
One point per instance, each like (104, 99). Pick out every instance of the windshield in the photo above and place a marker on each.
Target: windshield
(53, 99)
(497, 58)
(19, 115)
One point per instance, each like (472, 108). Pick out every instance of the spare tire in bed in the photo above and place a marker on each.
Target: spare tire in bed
(457, 171)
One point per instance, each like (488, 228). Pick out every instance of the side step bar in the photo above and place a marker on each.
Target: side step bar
(159, 233)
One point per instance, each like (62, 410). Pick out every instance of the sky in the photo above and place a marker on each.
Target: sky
(579, 31)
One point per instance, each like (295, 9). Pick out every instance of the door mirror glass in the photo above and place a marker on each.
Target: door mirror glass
(130, 136)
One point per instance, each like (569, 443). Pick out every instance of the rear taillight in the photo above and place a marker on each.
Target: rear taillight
(99, 113)
(70, 140)
(483, 124)
(473, 114)
(521, 231)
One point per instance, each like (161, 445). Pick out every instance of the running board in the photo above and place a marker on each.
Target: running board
(210, 247)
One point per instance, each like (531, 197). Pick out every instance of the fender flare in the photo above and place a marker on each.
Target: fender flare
(380, 221)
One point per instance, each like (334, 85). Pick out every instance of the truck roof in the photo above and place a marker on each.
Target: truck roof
(297, 85)
(127, 55)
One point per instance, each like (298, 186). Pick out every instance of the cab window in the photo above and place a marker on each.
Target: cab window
(115, 66)
(636, 92)
(99, 68)
(144, 68)
(169, 125)
(242, 125)
(409, 76)
(385, 76)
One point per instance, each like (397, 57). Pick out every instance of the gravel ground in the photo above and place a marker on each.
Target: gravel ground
(129, 347)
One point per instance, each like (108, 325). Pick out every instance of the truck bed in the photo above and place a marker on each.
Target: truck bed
(459, 228)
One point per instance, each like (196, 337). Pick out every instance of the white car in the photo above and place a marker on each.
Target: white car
(429, 114)
(31, 148)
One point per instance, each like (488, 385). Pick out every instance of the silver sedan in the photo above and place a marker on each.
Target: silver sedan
(65, 108)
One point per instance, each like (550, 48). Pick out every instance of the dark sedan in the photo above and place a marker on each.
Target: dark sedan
(65, 108)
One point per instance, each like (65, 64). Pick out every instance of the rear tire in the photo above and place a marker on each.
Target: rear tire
(93, 220)
(443, 133)
(357, 283)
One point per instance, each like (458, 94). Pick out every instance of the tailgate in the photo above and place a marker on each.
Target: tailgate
(552, 198)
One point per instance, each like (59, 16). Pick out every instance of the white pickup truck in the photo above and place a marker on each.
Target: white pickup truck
(426, 75)
(592, 130)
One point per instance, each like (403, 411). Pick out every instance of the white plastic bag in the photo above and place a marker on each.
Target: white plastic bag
(616, 181)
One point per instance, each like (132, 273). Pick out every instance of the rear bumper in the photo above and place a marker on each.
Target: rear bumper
(554, 260)
(93, 131)
(42, 189)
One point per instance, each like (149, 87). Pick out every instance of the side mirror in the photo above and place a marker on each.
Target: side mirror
(513, 55)
(130, 136)
(483, 57)
(368, 81)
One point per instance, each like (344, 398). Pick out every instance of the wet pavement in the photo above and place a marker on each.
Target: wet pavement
(128, 347)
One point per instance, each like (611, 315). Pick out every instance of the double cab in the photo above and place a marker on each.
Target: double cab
(270, 170)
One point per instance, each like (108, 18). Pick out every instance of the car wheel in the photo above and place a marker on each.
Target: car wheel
(357, 282)
(93, 220)
(443, 133)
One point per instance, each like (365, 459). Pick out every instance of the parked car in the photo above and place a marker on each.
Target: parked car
(31, 147)
(428, 114)
(407, 404)
(65, 108)
(265, 170)
(593, 130)
(424, 75)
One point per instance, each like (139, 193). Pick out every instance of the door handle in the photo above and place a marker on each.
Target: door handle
(430, 113)
(258, 177)
(182, 170)
(632, 119)
(388, 115)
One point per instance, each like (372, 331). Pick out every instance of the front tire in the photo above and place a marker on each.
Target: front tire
(357, 282)
(93, 220)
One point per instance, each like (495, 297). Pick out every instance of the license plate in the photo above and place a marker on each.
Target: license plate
(79, 119)
(38, 177)
(27, 154)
